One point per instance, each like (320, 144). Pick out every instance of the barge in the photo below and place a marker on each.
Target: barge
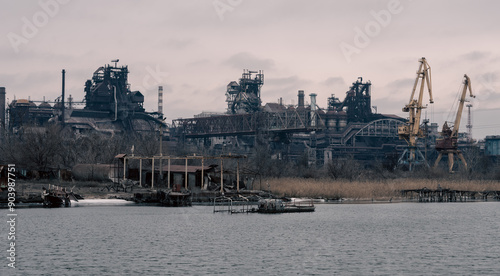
(274, 206)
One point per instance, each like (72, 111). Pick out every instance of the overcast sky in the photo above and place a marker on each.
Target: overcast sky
(195, 48)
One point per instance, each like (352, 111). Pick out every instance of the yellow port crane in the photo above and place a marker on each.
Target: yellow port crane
(411, 131)
(449, 143)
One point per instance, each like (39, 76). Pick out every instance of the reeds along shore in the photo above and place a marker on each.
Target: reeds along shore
(367, 189)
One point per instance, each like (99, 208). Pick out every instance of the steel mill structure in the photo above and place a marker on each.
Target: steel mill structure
(109, 107)
(347, 128)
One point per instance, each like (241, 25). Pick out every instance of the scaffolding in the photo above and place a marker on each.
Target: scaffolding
(221, 158)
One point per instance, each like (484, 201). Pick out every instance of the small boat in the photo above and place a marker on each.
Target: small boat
(57, 197)
(274, 206)
(177, 197)
(53, 199)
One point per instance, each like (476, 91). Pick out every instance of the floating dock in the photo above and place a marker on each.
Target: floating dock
(264, 206)
(273, 206)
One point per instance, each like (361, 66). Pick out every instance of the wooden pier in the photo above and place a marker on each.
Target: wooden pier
(448, 195)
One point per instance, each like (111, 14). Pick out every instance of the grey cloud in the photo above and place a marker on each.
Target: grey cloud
(401, 83)
(334, 81)
(179, 43)
(487, 82)
(285, 88)
(476, 55)
(245, 60)
(282, 81)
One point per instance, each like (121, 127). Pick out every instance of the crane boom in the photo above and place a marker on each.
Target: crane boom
(467, 86)
(449, 143)
(411, 131)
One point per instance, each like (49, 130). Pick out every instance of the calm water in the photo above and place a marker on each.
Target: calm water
(363, 239)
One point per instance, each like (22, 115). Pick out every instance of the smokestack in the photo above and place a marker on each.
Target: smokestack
(313, 109)
(62, 100)
(2, 108)
(301, 99)
(160, 100)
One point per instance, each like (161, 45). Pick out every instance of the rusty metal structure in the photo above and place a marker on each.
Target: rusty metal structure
(448, 144)
(410, 132)
(244, 96)
(24, 112)
(244, 124)
(109, 107)
(347, 127)
(357, 102)
(108, 90)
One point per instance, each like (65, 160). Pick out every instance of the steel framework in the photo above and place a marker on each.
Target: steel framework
(242, 124)
(380, 128)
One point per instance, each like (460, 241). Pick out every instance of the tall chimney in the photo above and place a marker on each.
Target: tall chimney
(62, 100)
(2, 109)
(160, 100)
(301, 99)
(313, 109)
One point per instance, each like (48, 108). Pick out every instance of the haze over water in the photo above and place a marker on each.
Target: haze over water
(346, 239)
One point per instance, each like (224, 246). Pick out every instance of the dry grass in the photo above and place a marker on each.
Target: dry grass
(375, 189)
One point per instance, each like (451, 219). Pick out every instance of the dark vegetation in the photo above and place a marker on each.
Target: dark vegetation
(45, 149)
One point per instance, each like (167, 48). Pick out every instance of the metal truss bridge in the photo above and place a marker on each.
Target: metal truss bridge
(245, 124)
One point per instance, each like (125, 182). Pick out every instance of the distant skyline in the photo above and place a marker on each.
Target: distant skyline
(194, 48)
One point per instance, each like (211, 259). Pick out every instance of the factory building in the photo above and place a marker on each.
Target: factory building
(344, 128)
(2, 110)
(109, 107)
(492, 145)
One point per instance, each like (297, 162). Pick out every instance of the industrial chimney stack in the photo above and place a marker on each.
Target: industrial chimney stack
(2, 109)
(313, 109)
(301, 99)
(62, 99)
(160, 100)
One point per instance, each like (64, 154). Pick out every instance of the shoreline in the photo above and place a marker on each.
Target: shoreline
(332, 192)
(121, 203)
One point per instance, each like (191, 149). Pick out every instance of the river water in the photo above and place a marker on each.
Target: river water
(337, 239)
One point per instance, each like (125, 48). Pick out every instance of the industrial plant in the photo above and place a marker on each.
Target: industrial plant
(109, 107)
(346, 128)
